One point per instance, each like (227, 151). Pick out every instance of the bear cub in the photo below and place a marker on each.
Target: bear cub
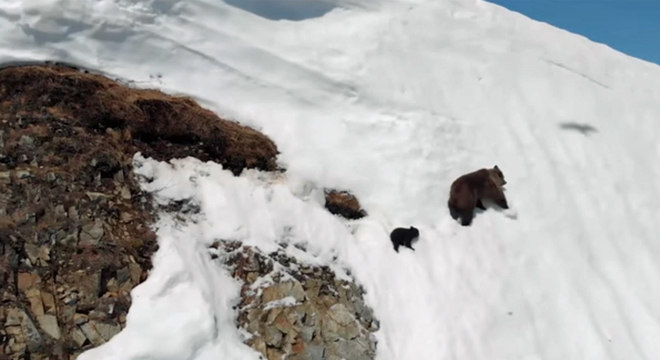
(404, 237)
(468, 190)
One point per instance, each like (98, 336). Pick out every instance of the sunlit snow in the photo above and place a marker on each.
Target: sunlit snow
(392, 100)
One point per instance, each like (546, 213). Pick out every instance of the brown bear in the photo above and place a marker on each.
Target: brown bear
(467, 191)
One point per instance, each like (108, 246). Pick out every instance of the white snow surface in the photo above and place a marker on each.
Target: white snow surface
(392, 100)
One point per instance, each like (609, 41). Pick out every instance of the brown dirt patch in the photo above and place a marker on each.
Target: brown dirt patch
(149, 120)
(344, 204)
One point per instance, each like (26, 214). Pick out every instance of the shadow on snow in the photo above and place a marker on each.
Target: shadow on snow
(284, 9)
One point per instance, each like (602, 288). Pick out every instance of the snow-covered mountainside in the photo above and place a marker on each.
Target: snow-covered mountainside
(393, 99)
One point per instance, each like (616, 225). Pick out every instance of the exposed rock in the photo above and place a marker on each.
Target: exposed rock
(49, 325)
(98, 332)
(86, 287)
(5, 177)
(344, 204)
(91, 233)
(34, 297)
(49, 304)
(136, 272)
(78, 337)
(299, 311)
(274, 353)
(26, 142)
(339, 324)
(283, 290)
(125, 193)
(69, 240)
(90, 332)
(23, 174)
(14, 317)
(59, 211)
(346, 349)
(123, 275)
(80, 319)
(309, 351)
(272, 336)
(73, 214)
(125, 217)
(22, 332)
(38, 255)
(27, 280)
(74, 225)
(97, 196)
(107, 331)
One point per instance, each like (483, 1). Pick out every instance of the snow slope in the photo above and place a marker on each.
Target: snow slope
(393, 100)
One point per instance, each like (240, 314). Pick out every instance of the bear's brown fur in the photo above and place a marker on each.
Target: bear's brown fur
(468, 190)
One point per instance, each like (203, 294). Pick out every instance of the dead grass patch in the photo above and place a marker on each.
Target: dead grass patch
(148, 119)
(344, 204)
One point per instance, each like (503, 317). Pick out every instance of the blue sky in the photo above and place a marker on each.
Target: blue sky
(630, 26)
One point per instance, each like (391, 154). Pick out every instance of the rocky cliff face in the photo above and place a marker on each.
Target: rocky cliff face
(296, 311)
(74, 226)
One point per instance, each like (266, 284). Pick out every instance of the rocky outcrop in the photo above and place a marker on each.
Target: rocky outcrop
(74, 226)
(296, 311)
(344, 204)
(74, 241)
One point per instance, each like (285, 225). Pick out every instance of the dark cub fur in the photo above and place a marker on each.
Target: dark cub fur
(404, 237)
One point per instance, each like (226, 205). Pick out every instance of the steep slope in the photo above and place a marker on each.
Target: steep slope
(393, 101)
(75, 233)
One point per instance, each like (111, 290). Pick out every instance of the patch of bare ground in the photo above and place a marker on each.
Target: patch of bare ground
(159, 125)
(75, 233)
(344, 204)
